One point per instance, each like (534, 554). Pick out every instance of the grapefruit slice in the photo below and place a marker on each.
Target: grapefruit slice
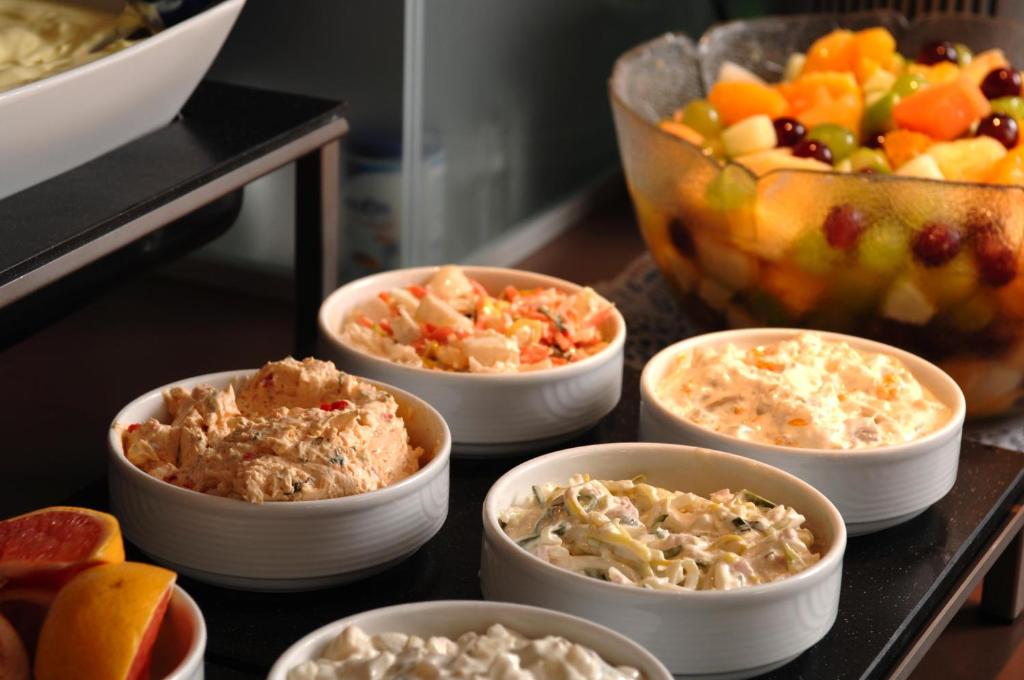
(25, 609)
(13, 658)
(103, 623)
(49, 546)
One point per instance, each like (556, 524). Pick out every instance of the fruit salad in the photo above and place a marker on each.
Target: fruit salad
(868, 191)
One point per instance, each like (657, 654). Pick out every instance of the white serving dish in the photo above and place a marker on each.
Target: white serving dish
(873, 488)
(489, 414)
(59, 122)
(181, 641)
(707, 634)
(299, 545)
(452, 618)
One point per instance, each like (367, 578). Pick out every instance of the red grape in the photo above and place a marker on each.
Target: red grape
(680, 237)
(875, 141)
(937, 52)
(843, 226)
(997, 263)
(936, 244)
(1000, 127)
(1001, 82)
(789, 131)
(809, 148)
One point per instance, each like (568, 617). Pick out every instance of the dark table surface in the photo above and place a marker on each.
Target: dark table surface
(893, 581)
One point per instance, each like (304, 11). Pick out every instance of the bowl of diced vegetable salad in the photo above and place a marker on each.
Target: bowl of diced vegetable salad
(857, 173)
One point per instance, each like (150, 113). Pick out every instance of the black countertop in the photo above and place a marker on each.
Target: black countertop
(893, 581)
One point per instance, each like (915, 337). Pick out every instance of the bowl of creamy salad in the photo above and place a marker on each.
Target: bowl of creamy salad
(875, 428)
(515, 361)
(684, 550)
(466, 639)
(274, 479)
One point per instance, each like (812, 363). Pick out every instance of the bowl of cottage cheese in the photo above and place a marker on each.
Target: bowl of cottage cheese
(515, 361)
(875, 428)
(466, 639)
(275, 479)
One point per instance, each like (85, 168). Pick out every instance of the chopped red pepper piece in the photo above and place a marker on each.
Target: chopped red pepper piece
(365, 322)
(339, 405)
(418, 291)
(133, 427)
(385, 297)
(325, 406)
(247, 456)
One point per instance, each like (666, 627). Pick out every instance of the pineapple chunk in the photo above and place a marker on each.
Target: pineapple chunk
(923, 166)
(967, 160)
(725, 262)
(794, 66)
(755, 133)
(878, 83)
(761, 162)
(906, 302)
(732, 72)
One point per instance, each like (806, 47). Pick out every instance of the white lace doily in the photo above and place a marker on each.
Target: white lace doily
(656, 319)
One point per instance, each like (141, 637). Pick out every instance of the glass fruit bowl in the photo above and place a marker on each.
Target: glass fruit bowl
(836, 251)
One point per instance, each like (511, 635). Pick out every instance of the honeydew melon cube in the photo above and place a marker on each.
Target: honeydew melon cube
(755, 133)
(923, 166)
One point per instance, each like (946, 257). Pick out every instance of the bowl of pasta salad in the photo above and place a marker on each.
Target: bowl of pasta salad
(875, 428)
(682, 549)
(514, 360)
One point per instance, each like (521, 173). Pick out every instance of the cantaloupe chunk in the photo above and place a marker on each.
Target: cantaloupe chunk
(682, 131)
(943, 111)
(846, 110)
(943, 72)
(876, 44)
(1009, 169)
(902, 146)
(834, 51)
(798, 291)
(737, 100)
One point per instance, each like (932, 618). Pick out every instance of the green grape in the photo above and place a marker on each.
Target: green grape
(702, 117)
(840, 141)
(952, 282)
(1011, 106)
(908, 84)
(869, 159)
(813, 254)
(733, 188)
(878, 116)
(964, 55)
(973, 314)
(884, 248)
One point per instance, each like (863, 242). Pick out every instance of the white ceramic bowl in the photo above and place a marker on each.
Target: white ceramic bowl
(873, 488)
(489, 414)
(452, 618)
(300, 545)
(181, 641)
(62, 121)
(721, 634)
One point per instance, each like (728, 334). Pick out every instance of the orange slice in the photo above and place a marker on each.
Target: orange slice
(103, 623)
(49, 546)
(13, 657)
